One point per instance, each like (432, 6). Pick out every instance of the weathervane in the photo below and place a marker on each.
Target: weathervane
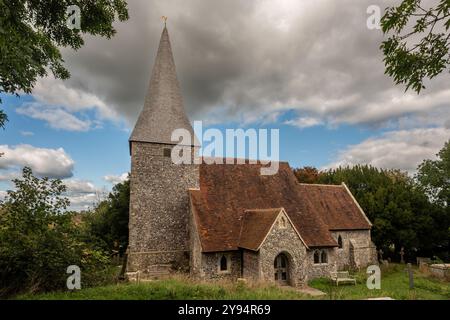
(165, 20)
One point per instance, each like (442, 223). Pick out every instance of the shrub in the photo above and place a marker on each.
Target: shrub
(38, 239)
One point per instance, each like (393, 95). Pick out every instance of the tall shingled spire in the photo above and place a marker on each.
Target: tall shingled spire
(163, 109)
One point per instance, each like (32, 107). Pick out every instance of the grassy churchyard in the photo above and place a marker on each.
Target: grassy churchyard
(394, 284)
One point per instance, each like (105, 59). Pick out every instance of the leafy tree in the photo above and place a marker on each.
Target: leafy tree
(434, 176)
(3, 119)
(307, 174)
(419, 46)
(108, 223)
(32, 31)
(398, 207)
(38, 240)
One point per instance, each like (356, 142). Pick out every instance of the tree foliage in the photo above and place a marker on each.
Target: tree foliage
(33, 31)
(434, 175)
(3, 119)
(307, 175)
(107, 224)
(38, 239)
(418, 47)
(397, 206)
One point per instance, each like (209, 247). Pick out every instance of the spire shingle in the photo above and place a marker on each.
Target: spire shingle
(163, 110)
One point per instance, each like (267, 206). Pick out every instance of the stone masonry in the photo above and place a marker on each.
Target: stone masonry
(159, 208)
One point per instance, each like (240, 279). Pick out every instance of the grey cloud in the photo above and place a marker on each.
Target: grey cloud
(244, 61)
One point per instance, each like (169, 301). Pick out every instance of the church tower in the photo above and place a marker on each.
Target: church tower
(159, 203)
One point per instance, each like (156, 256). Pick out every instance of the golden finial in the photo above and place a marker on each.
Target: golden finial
(165, 20)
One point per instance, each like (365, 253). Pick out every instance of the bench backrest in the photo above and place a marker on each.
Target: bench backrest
(340, 275)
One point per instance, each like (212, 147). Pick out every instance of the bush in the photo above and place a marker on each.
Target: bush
(38, 239)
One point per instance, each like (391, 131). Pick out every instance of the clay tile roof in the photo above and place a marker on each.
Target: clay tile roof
(255, 226)
(227, 191)
(163, 110)
(336, 206)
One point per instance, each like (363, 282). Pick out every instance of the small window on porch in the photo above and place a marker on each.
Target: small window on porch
(224, 263)
(317, 257)
(340, 244)
(324, 257)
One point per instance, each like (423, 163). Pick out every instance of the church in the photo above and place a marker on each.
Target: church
(227, 221)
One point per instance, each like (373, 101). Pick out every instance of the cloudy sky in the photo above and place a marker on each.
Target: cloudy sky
(310, 68)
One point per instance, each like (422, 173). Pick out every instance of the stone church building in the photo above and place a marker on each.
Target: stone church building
(229, 221)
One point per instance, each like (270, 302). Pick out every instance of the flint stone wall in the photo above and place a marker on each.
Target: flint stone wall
(210, 263)
(283, 240)
(252, 267)
(354, 257)
(159, 207)
(321, 270)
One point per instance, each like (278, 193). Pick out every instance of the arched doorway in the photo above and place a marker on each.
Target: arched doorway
(281, 269)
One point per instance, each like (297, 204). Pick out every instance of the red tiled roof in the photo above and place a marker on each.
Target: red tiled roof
(227, 191)
(336, 206)
(255, 226)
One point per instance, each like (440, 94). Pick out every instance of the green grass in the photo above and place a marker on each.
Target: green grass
(394, 284)
(174, 289)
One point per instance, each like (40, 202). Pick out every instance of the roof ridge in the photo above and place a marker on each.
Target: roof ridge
(320, 185)
(258, 161)
(267, 209)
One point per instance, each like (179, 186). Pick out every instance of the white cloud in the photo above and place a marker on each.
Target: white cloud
(304, 122)
(80, 186)
(86, 201)
(57, 104)
(55, 92)
(403, 149)
(53, 163)
(56, 117)
(115, 179)
(84, 195)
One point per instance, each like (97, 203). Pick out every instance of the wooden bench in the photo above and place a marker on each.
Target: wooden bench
(342, 277)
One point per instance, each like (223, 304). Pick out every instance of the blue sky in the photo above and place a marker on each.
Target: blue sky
(104, 151)
(311, 69)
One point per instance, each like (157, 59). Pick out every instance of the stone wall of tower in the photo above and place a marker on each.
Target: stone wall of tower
(159, 209)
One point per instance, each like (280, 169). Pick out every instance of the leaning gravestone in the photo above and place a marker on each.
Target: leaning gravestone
(411, 276)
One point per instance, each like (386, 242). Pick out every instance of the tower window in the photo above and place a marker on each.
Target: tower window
(340, 244)
(167, 152)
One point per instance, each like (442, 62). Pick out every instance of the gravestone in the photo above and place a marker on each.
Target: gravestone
(402, 254)
(411, 276)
